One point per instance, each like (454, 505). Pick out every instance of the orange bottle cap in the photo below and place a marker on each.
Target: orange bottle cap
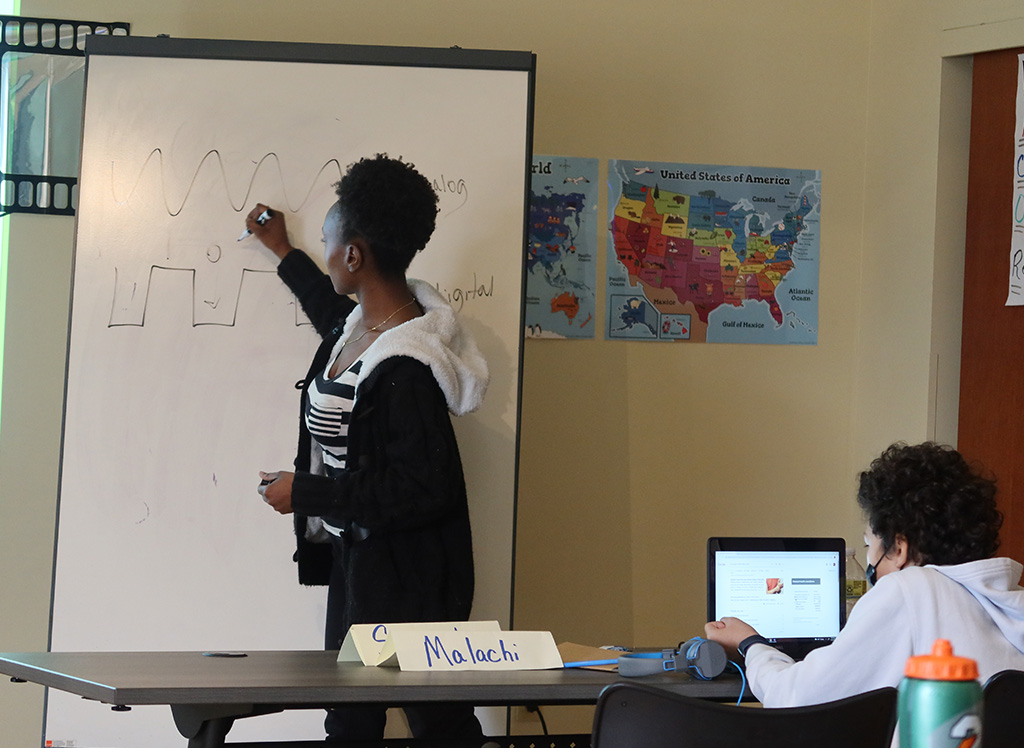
(942, 664)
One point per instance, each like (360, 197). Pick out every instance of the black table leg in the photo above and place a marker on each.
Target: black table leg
(211, 733)
(206, 725)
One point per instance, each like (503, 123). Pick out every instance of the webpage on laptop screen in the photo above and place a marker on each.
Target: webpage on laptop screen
(782, 594)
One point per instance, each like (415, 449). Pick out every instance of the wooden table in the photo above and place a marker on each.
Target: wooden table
(206, 694)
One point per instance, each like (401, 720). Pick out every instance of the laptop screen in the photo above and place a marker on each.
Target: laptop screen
(789, 589)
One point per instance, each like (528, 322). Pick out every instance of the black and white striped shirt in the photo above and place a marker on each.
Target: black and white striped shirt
(329, 405)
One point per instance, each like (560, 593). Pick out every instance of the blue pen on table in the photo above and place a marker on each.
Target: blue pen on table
(261, 219)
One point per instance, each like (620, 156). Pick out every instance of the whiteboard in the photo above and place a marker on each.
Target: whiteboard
(185, 347)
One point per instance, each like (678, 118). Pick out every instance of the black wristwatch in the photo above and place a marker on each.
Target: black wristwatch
(750, 640)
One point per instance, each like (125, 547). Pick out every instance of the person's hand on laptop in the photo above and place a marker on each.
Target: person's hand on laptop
(729, 632)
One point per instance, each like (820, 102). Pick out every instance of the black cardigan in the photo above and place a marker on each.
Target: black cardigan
(403, 483)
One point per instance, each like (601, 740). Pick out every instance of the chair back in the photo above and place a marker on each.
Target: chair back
(1004, 704)
(632, 715)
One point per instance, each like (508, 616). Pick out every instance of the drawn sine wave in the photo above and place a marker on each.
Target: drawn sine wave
(444, 187)
(213, 156)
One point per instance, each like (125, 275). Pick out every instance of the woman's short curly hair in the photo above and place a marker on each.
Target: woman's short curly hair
(930, 495)
(391, 206)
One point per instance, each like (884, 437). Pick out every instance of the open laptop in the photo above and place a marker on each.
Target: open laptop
(791, 590)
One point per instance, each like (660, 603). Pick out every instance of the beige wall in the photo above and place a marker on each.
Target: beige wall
(38, 287)
(633, 453)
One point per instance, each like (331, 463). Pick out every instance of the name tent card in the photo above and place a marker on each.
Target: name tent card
(476, 650)
(461, 645)
(373, 643)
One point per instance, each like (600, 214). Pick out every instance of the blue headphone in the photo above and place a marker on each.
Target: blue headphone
(701, 658)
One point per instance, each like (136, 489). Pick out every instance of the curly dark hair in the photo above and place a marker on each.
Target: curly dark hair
(391, 206)
(930, 495)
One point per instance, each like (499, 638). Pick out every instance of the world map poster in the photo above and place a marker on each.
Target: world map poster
(718, 254)
(561, 254)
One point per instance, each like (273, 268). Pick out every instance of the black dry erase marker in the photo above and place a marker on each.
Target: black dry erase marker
(261, 219)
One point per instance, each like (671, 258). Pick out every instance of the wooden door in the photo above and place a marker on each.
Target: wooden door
(991, 425)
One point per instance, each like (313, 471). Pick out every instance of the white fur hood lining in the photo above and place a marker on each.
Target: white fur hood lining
(436, 339)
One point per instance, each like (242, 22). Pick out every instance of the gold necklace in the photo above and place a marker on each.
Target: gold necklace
(376, 326)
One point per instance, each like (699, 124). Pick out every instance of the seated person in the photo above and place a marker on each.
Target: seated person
(932, 532)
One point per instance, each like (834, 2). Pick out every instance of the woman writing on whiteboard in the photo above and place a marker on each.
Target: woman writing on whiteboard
(378, 472)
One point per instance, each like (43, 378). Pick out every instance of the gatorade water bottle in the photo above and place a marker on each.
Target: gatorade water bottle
(940, 701)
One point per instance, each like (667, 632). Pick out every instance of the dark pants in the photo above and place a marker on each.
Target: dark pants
(441, 721)
(435, 721)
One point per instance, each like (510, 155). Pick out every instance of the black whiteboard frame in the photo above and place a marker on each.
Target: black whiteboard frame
(218, 49)
(351, 54)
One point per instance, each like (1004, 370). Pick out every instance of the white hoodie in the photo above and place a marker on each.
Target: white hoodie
(978, 606)
(436, 339)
